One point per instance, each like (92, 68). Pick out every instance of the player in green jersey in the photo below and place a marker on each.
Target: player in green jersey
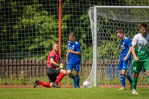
(140, 52)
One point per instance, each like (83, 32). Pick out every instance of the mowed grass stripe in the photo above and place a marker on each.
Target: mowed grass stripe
(70, 93)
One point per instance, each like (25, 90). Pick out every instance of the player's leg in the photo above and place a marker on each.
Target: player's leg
(45, 84)
(127, 72)
(52, 77)
(50, 73)
(69, 73)
(60, 76)
(56, 75)
(134, 82)
(122, 77)
(77, 79)
(146, 67)
(136, 68)
(76, 75)
(122, 80)
(69, 68)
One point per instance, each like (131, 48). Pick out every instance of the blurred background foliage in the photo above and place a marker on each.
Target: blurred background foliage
(29, 27)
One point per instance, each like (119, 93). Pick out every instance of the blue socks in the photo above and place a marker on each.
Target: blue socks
(76, 80)
(129, 79)
(72, 76)
(122, 79)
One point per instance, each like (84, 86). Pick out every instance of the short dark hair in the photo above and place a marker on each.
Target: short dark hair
(143, 25)
(71, 33)
(119, 31)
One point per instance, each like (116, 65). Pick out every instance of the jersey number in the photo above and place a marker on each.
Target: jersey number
(134, 68)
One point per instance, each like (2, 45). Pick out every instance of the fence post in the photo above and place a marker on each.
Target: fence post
(114, 70)
(45, 67)
(107, 70)
(111, 71)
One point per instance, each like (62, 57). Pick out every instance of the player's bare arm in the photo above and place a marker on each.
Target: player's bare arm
(134, 54)
(53, 62)
(74, 52)
(66, 58)
(66, 55)
(129, 52)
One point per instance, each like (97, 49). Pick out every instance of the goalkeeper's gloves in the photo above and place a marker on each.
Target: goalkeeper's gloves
(61, 65)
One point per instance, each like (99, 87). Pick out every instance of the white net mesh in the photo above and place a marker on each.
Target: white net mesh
(123, 14)
(108, 47)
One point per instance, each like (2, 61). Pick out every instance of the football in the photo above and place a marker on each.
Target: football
(86, 84)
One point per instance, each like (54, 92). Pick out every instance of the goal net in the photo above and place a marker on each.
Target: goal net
(104, 20)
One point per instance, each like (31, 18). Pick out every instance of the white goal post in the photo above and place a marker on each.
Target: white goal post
(113, 15)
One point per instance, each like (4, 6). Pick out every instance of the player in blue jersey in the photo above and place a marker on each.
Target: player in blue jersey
(125, 58)
(74, 59)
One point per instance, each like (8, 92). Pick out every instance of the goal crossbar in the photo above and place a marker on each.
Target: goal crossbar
(122, 7)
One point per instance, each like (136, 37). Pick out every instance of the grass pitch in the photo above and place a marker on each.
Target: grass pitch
(71, 93)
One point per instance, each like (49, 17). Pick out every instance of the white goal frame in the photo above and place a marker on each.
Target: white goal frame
(95, 33)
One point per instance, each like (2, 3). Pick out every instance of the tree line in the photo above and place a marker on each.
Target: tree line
(28, 28)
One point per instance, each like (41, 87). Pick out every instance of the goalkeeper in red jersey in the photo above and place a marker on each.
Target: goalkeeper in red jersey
(54, 71)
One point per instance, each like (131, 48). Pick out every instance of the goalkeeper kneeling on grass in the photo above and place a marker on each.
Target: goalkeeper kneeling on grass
(54, 69)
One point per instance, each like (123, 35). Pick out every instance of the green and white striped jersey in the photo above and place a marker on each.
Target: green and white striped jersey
(141, 45)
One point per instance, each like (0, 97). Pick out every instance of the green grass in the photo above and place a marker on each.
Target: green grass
(70, 93)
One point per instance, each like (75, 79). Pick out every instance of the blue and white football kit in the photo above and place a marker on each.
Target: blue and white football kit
(124, 64)
(125, 44)
(74, 61)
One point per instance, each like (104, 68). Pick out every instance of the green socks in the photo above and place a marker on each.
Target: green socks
(134, 83)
